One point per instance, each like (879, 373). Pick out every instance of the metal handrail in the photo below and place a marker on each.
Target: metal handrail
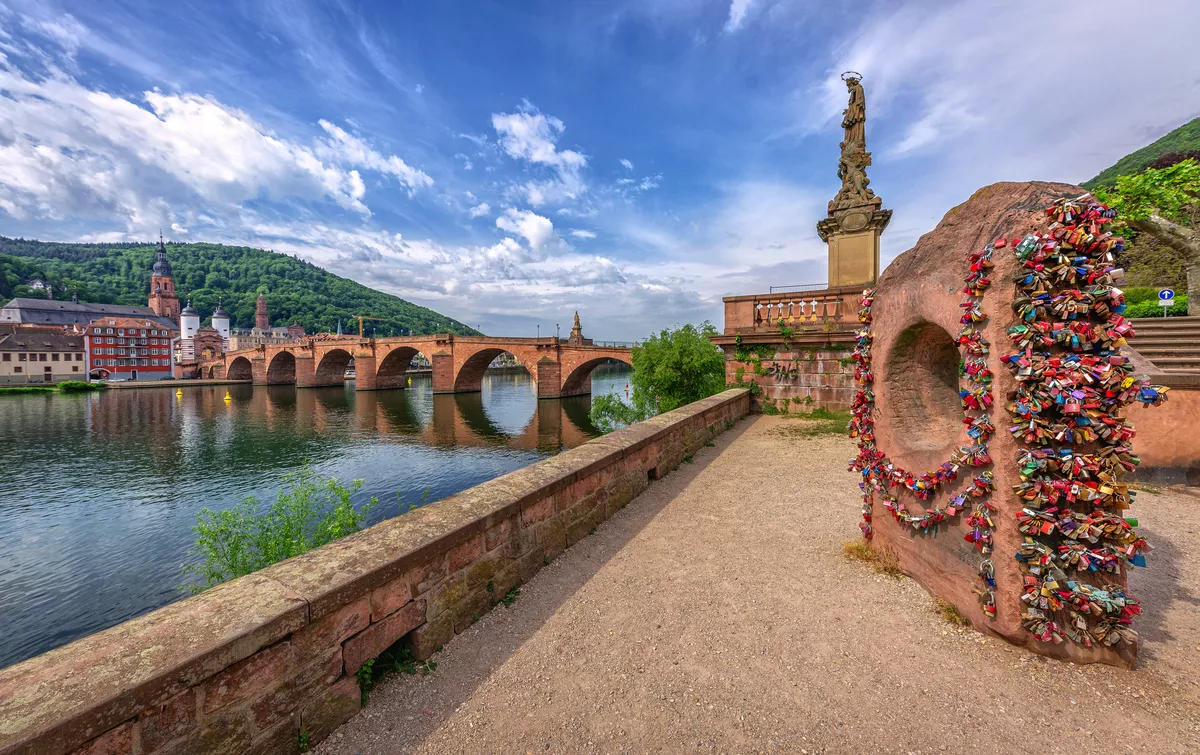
(617, 344)
(799, 288)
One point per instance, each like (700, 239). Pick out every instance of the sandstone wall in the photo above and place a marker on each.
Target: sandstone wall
(247, 666)
(800, 376)
(919, 423)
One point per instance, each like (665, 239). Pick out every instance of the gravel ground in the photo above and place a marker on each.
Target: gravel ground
(716, 614)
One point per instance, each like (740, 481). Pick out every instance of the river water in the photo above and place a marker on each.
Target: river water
(100, 491)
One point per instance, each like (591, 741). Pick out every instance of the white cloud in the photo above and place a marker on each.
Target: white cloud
(531, 135)
(66, 148)
(583, 234)
(480, 210)
(737, 14)
(537, 230)
(419, 88)
(344, 148)
(628, 165)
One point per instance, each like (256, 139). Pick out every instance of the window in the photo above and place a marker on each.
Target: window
(120, 331)
(97, 330)
(108, 331)
(47, 368)
(110, 339)
(42, 357)
(74, 368)
(7, 357)
(79, 356)
(22, 357)
(120, 362)
(145, 362)
(18, 370)
(120, 340)
(54, 357)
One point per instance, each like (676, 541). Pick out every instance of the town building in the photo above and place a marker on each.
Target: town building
(40, 354)
(50, 312)
(129, 348)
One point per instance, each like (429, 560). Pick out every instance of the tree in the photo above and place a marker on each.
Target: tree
(672, 368)
(1164, 204)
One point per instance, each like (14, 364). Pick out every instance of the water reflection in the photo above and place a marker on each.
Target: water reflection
(101, 490)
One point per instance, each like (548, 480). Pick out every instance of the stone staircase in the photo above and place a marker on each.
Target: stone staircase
(1171, 343)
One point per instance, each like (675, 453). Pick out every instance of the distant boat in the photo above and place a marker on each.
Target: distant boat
(350, 374)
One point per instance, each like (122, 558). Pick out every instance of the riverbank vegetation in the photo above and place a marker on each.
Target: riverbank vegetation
(670, 369)
(68, 386)
(309, 511)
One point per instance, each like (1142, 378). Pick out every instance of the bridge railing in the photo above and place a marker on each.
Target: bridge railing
(617, 344)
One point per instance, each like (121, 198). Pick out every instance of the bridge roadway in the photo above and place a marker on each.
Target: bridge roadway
(558, 367)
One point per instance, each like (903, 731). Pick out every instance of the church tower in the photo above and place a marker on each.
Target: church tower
(261, 320)
(163, 300)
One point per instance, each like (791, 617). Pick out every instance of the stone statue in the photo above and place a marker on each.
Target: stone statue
(852, 165)
(576, 326)
(854, 117)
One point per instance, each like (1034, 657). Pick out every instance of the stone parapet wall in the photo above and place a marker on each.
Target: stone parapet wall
(799, 376)
(248, 666)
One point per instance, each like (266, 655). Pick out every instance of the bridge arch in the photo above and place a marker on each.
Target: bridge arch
(282, 368)
(240, 369)
(331, 370)
(579, 381)
(393, 368)
(469, 377)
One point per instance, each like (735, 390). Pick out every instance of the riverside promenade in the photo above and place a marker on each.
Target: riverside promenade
(716, 613)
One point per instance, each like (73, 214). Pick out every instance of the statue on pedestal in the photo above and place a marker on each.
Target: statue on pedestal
(852, 166)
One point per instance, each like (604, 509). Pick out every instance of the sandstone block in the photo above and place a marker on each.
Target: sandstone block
(248, 678)
(165, 722)
(390, 598)
(378, 637)
(331, 631)
(428, 638)
(465, 553)
(498, 534)
(119, 741)
(331, 708)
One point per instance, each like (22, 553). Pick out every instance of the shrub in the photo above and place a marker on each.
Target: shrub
(79, 386)
(1151, 307)
(670, 369)
(308, 512)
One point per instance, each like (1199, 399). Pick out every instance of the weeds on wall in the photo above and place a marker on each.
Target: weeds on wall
(308, 512)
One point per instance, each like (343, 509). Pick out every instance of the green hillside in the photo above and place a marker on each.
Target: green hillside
(1186, 138)
(296, 291)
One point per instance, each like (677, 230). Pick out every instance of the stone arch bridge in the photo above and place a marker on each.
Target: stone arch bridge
(558, 367)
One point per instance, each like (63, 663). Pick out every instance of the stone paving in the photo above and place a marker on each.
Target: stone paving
(717, 614)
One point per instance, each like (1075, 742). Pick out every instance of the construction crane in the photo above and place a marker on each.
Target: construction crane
(360, 319)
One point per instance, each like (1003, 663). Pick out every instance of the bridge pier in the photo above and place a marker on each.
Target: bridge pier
(258, 370)
(306, 372)
(364, 372)
(443, 372)
(549, 378)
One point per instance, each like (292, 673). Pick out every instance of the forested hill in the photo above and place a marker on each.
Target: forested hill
(296, 291)
(1186, 138)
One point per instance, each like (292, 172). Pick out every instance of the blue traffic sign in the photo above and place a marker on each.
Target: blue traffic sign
(1165, 294)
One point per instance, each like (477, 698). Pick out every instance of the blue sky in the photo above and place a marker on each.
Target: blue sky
(510, 162)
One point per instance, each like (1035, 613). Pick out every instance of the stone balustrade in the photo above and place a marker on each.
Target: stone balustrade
(253, 665)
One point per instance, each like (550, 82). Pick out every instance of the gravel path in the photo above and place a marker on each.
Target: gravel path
(716, 614)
